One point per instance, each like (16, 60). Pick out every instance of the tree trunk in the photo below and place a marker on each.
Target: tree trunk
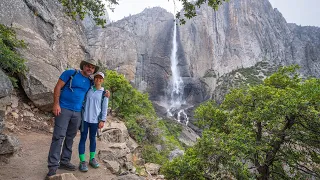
(263, 172)
(258, 141)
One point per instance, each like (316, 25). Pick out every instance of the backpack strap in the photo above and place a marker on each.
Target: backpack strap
(102, 98)
(71, 78)
(81, 128)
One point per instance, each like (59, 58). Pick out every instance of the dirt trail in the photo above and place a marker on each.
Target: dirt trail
(30, 163)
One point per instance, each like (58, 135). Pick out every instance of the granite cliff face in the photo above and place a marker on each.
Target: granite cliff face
(241, 34)
(139, 47)
(244, 40)
(54, 42)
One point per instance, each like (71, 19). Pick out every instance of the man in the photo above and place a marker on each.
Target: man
(69, 94)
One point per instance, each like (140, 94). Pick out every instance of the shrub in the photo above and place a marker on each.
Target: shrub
(10, 60)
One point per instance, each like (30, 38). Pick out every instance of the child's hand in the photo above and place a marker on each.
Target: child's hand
(101, 124)
(107, 94)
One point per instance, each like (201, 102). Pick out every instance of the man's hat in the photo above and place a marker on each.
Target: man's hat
(90, 61)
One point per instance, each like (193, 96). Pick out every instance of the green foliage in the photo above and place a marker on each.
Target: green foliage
(167, 142)
(170, 133)
(135, 131)
(203, 161)
(208, 115)
(210, 73)
(189, 7)
(126, 100)
(172, 127)
(130, 104)
(10, 60)
(96, 8)
(81, 8)
(164, 135)
(14, 81)
(117, 85)
(151, 154)
(140, 118)
(272, 128)
(243, 77)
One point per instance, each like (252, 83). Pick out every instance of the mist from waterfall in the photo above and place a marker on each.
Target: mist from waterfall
(176, 87)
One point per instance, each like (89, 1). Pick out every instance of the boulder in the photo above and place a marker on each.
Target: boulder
(113, 166)
(188, 136)
(5, 85)
(152, 168)
(175, 153)
(64, 176)
(2, 117)
(4, 102)
(8, 144)
(129, 177)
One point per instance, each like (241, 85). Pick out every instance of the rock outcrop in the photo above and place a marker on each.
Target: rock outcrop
(8, 144)
(5, 90)
(121, 154)
(54, 42)
(5, 85)
(64, 176)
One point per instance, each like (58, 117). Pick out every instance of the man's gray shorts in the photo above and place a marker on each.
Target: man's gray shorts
(66, 126)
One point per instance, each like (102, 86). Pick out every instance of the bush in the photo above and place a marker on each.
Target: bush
(272, 128)
(140, 118)
(151, 154)
(10, 60)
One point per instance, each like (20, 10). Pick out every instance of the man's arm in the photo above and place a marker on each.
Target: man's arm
(56, 95)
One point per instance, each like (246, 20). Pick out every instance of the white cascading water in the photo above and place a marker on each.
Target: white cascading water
(177, 86)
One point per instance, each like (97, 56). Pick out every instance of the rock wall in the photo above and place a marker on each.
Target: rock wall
(243, 33)
(5, 90)
(138, 47)
(8, 144)
(54, 42)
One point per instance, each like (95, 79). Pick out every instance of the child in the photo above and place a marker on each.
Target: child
(94, 116)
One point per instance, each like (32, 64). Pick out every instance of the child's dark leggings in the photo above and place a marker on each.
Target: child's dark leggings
(92, 127)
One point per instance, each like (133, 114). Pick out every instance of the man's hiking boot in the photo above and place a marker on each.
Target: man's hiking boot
(52, 172)
(83, 166)
(93, 163)
(68, 166)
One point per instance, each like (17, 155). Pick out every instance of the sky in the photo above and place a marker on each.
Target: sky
(127, 7)
(301, 12)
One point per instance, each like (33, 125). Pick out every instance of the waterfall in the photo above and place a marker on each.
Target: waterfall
(176, 87)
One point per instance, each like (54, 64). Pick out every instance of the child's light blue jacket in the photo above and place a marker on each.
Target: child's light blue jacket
(92, 107)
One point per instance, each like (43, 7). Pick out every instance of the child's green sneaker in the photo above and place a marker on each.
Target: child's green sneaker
(94, 163)
(83, 166)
